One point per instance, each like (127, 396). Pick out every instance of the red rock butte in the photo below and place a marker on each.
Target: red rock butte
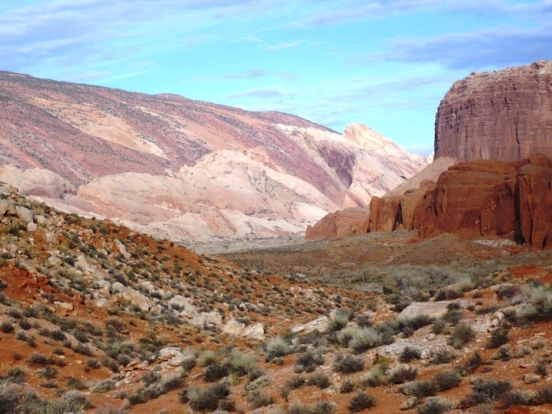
(504, 115)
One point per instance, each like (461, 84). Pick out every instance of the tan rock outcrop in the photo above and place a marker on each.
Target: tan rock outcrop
(504, 115)
(341, 223)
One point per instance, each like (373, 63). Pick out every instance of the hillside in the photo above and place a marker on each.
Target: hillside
(95, 317)
(182, 169)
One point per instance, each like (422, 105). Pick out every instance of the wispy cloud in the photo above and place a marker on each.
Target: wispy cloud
(484, 48)
(268, 92)
(282, 45)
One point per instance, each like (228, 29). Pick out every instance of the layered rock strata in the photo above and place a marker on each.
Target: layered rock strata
(504, 115)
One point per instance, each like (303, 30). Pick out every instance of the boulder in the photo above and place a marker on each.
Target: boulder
(7, 207)
(26, 215)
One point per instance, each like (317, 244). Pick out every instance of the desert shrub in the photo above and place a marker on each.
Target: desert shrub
(402, 374)
(241, 363)
(207, 358)
(39, 359)
(446, 380)
(346, 387)
(324, 408)
(498, 337)
(364, 339)
(48, 372)
(453, 316)
(200, 399)
(361, 401)
(150, 377)
(541, 367)
(507, 291)
(92, 363)
(75, 383)
(363, 320)
(16, 375)
(504, 352)
(473, 362)
(226, 406)
(298, 408)
(409, 353)
(6, 327)
(439, 326)
(435, 405)
(419, 389)
(321, 381)
(461, 335)
(448, 294)
(486, 392)
(296, 382)
(375, 377)
(538, 302)
(276, 347)
(338, 321)
(307, 361)
(215, 372)
(439, 355)
(257, 399)
(348, 364)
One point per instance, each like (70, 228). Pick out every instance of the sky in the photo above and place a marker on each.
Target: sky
(386, 64)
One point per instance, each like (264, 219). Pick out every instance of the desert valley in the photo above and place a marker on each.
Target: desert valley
(165, 255)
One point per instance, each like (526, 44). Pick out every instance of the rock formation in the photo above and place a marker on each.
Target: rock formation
(510, 200)
(183, 169)
(504, 115)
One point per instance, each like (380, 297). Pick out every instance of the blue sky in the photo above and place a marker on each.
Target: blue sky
(386, 64)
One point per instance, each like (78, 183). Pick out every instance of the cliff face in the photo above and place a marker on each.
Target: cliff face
(510, 200)
(504, 115)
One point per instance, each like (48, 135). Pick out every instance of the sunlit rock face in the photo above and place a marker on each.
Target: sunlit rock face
(504, 115)
(183, 169)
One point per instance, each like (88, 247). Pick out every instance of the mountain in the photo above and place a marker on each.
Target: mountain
(183, 169)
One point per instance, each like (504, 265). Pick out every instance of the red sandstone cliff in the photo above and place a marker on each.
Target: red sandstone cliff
(504, 115)
(511, 200)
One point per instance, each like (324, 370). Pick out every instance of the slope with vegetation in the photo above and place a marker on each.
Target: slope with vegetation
(97, 318)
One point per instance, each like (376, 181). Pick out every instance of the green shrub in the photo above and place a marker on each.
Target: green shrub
(403, 374)
(276, 347)
(307, 362)
(215, 372)
(200, 399)
(361, 401)
(338, 321)
(409, 353)
(375, 377)
(39, 359)
(419, 389)
(324, 408)
(435, 405)
(241, 363)
(461, 335)
(486, 392)
(498, 337)
(6, 327)
(348, 364)
(257, 399)
(439, 355)
(346, 387)
(364, 339)
(473, 362)
(321, 381)
(296, 382)
(446, 380)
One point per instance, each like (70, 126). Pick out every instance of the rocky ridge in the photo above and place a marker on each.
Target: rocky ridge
(183, 169)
